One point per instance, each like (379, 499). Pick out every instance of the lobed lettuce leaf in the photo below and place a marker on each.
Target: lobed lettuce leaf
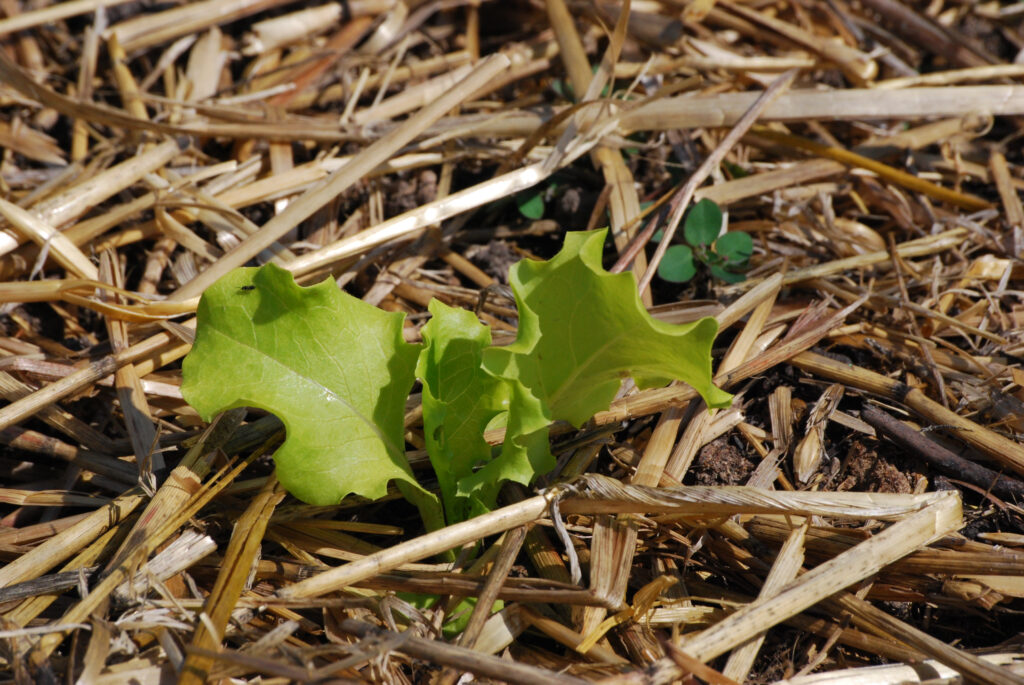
(337, 372)
(333, 368)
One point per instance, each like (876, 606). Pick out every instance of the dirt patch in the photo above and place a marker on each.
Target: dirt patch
(865, 470)
(721, 463)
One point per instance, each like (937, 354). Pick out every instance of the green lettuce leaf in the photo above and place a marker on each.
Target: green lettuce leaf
(460, 399)
(582, 329)
(525, 453)
(337, 372)
(333, 368)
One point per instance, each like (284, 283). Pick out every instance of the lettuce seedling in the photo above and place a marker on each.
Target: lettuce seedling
(338, 372)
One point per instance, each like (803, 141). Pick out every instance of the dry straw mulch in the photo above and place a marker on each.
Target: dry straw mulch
(858, 505)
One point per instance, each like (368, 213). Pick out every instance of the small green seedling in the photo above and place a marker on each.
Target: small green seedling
(530, 203)
(725, 255)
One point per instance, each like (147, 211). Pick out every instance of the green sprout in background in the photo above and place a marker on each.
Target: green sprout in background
(725, 255)
(531, 203)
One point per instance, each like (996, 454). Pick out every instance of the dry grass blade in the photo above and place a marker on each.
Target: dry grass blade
(623, 203)
(785, 569)
(37, 230)
(852, 61)
(182, 482)
(598, 494)
(898, 673)
(233, 576)
(884, 170)
(465, 660)
(145, 538)
(808, 452)
(159, 350)
(848, 104)
(163, 26)
(27, 20)
(971, 666)
(326, 191)
(443, 540)
(941, 517)
(865, 275)
(65, 543)
(1000, 449)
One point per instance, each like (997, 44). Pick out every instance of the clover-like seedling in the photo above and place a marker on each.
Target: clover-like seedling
(725, 255)
(732, 252)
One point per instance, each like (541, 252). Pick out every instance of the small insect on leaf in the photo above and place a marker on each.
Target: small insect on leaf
(247, 288)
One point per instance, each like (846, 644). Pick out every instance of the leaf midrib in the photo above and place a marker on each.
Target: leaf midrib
(567, 383)
(388, 444)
